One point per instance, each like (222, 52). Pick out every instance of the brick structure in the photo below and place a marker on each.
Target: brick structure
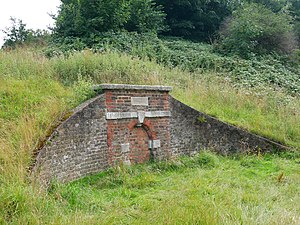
(138, 123)
(78, 147)
(193, 131)
(133, 124)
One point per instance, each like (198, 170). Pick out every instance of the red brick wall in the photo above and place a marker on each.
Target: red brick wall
(120, 100)
(127, 131)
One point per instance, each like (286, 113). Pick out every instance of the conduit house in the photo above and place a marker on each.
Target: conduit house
(133, 124)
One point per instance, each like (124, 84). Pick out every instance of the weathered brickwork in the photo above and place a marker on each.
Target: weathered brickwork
(192, 131)
(131, 132)
(77, 147)
(126, 124)
(134, 124)
(120, 100)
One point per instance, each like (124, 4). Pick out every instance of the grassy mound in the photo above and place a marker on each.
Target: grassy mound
(35, 91)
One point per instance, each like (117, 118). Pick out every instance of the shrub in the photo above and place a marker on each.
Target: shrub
(17, 35)
(256, 30)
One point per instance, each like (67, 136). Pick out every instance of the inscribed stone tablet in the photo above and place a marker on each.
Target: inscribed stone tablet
(139, 101)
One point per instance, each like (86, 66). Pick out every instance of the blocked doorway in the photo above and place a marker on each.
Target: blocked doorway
(139, 151)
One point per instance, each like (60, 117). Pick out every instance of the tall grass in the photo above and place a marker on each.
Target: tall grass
(277, 71)
(206, 189)
(263, 110)
(36, 91)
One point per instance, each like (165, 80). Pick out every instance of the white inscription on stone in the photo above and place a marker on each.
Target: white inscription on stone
(139, 101)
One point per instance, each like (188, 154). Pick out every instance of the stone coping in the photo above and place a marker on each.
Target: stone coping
(132, 87)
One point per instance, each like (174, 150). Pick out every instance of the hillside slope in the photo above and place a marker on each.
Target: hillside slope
(36, 91)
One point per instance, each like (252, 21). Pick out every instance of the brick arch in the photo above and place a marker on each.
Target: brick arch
(147, 126)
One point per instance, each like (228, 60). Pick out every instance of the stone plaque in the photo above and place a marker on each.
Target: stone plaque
(139, 101)
(125, 148)
(154, 144)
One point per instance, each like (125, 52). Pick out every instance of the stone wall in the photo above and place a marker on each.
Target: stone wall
(192, 131)
(78, 147)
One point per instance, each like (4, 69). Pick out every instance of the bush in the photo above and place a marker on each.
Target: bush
(274, 70)
(256, 30)
(18, 35)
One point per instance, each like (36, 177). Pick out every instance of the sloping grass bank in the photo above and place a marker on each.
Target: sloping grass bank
(206, 189)
(263, 110)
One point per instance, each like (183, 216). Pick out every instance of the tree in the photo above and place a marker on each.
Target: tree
(16, 34)
(295, 11)
(86, 18)
(145, 15)
(195, 19)
(254, 29)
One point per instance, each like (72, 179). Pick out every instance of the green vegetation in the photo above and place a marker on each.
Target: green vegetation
(36, 91)
(18, 35)
(195, 19)
(255, 86)
(276, 71)
(205, 189)
(86, 19)
(256, 30)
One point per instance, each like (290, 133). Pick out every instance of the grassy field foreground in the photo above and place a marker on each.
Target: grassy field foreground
(206, 189)
(36, 91)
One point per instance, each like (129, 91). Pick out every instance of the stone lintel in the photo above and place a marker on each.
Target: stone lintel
(131, 115)
(132, 87)
(153, 114)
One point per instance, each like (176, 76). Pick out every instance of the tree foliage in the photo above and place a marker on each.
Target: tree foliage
(17, 35)
(254, 29)
(295, 11)
(292, 7)
(195, 19)
(86, 18)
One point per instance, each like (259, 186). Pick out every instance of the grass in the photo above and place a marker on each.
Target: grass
(36, 91)
(205, 189)
(277, 71)
(262, 110)
(273, 115)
